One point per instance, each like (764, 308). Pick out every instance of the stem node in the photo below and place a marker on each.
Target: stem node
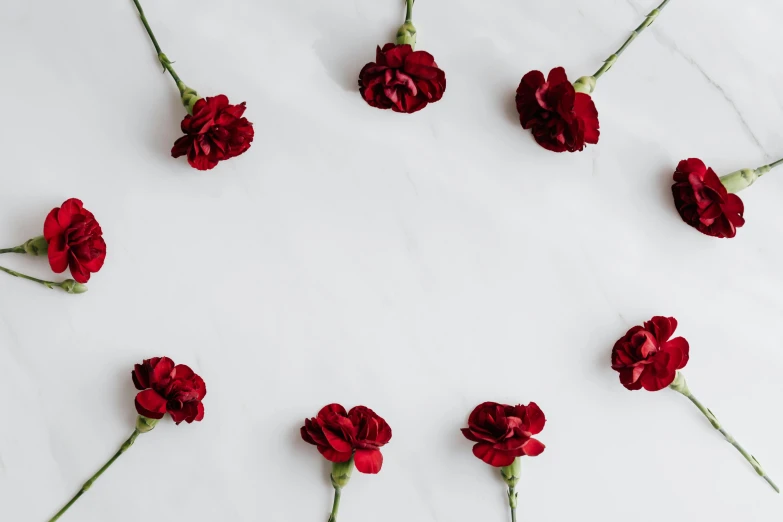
(649, 19)
(87, 485)
(679, 385)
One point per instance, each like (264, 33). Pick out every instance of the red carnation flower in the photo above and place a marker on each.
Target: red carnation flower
(703, 201)
(341, 435)
(402, 79)
(560, 118)
(502, 432)
(75, 240)
(216, 131)
(347, 439)
(646, 357)
(168, 388)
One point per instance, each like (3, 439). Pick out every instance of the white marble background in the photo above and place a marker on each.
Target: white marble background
(416, 264)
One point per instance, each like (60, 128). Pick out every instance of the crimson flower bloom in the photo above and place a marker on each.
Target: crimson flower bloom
(341, 435)
(216, 131)
(75, 240)
(168, 388)
(703, 201)
(647, 357)
(560, 118)
(402, 79)
(502, 432)
(347, 439)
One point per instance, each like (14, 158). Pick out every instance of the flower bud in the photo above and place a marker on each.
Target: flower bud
(144, 425)
(407, 34)
(739, 180)
(72, 287)
(585, 84)
(37, 246)
(512, 473)
(341, 473)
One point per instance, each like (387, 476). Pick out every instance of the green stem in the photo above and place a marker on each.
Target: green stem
(409, 10)
(679, 385)
(15, 250)
(766, 168)
(647, 22)
(744, 178)
(512, 502)
(47, 284)
(336, 505)
(775, 163)
(164, 61)
(406, 34)
(89, 483)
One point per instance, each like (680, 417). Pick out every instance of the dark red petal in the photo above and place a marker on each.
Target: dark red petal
(150, 404)
(333, 408)
(306, 435)
(535, 419)
(368, 461)
(630, 379)
(334, 456)
(679, 346)
(336, 442)
(178, 415)
(79, 273)
(139, 376)
(201, 161)
(533, 448)
(58, 255)
(181, 146)
(531, 82)
(585, 110)
(396, 55)
(161, 372)
(470, 436)
(557, 76)
(488, 454)
(68, 210)
(182, 371)
(688, 166)
(52, 227)
(657, 381)
(199, 412)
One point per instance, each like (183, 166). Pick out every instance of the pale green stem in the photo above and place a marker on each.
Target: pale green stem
(775, 163)
(407, 32)
(14, 250)
(744, 178)
(47, 284)
(189, 96)
(647, 22)
(512, 502)
(679, 385)
(336, 505)
(89, 483)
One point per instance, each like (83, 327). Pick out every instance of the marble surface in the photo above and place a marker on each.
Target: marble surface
(416, 264)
